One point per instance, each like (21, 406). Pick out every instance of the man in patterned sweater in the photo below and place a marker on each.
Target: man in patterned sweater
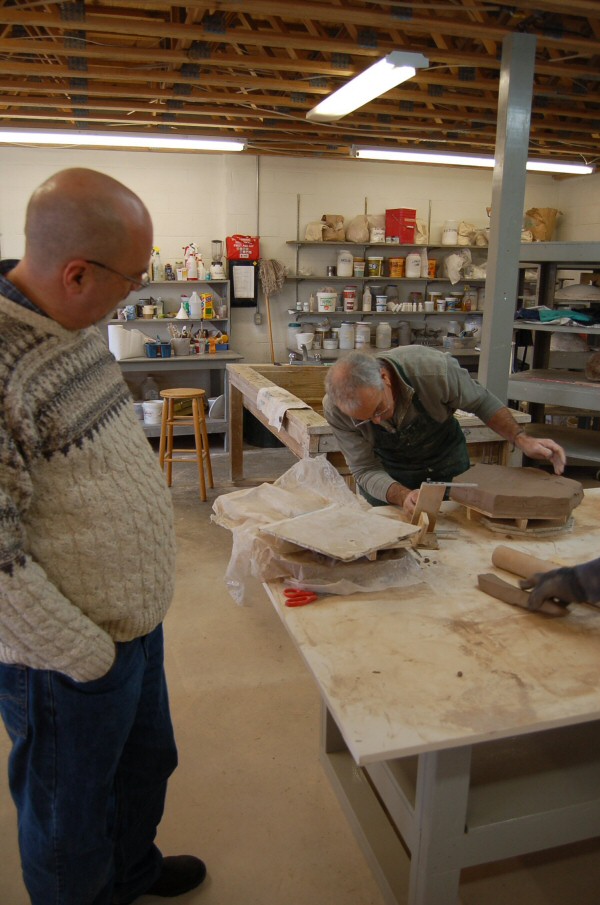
(86, 561)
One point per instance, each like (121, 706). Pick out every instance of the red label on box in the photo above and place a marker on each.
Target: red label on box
(400, 224)
(243, 248)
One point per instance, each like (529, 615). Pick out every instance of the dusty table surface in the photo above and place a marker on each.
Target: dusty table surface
(441, 664)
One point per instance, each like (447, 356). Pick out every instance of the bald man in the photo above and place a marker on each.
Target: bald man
(393, 416)
(86, 561)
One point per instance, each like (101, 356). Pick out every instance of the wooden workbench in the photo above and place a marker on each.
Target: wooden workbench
(306, 432)
(457, 728)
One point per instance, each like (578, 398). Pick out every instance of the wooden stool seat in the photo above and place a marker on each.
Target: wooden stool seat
(201, 453)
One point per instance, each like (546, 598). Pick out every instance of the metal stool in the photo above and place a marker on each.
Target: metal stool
(170, 420)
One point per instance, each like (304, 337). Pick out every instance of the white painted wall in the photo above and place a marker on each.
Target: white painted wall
(200, 197)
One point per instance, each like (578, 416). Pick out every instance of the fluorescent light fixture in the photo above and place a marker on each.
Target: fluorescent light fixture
(382, 76)
(119, 140)
(466, 160)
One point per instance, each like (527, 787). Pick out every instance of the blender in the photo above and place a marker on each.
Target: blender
(217, 271)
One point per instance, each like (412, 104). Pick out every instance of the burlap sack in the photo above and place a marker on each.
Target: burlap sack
(543, 221)
(334, 228)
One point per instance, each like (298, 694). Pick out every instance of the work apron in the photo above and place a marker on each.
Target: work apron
(424, 449)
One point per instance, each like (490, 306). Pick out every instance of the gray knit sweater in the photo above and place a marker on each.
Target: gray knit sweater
(86, 526)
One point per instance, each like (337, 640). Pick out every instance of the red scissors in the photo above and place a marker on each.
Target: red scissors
(299, 597)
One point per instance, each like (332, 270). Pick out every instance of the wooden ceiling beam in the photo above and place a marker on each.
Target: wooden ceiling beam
(453, 26)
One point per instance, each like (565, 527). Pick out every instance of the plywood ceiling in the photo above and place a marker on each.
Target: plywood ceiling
(253, 68)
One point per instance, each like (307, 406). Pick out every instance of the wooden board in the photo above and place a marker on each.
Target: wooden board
(342, 532)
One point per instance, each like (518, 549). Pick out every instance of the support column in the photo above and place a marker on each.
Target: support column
(508, 198)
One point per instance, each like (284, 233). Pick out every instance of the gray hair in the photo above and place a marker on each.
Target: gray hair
(356, 371)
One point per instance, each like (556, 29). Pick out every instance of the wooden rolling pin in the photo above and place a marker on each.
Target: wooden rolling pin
(522, 564)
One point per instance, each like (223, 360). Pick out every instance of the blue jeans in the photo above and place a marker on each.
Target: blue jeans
(88, 773)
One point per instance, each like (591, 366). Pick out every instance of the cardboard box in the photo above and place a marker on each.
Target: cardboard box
(400, 224)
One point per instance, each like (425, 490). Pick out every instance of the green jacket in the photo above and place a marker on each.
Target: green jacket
(442, 387)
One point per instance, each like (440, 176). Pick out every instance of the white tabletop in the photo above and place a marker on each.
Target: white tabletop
(442, 664)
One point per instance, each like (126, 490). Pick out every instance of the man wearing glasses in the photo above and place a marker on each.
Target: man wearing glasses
(86, 561)
(393, 416)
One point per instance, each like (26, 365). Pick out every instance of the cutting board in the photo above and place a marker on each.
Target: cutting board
(342, 532)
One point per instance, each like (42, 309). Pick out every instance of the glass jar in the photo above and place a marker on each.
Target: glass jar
(362, 335)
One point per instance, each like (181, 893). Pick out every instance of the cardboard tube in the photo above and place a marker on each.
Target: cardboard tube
(522, 564)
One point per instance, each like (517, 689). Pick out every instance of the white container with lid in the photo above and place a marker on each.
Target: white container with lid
(412, 268)
(326, 300)
(383, 336)
(362, 335)
(345, 263)
(450, 232)
(346, 335)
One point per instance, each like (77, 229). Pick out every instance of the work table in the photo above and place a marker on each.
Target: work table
(440, 680)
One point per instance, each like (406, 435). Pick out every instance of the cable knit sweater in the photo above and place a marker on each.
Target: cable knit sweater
(86, 526)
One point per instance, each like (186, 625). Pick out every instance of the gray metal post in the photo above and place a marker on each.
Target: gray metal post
(508, 197)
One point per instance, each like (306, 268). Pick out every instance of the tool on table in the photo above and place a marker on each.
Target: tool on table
(525, 566)
(503, 590)
(299, 597)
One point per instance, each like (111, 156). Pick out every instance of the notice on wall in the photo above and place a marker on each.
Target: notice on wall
(243, 282)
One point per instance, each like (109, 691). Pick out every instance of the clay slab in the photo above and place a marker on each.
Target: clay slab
(519, 493)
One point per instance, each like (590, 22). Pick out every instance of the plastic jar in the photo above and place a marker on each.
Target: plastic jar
(381, 303)
(362, 335)
(375, 266)
(346, 335)
(450, 232)
(404, 333)
(345, 263)
(350, 298)
(383, 336)
(412, 267)
(326, 300)
(397, 267)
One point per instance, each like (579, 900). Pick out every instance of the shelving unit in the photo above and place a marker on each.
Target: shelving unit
(557, 378)
(417, 319)
(207, 371)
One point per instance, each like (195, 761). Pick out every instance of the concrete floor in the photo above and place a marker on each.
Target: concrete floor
(250, 796)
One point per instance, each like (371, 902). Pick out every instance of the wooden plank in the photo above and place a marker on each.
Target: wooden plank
(342, 532)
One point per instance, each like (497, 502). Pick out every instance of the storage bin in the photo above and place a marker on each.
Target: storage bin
(400, 223)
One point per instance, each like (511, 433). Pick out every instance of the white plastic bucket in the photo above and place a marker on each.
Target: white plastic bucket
(153, 411)
(326, 301)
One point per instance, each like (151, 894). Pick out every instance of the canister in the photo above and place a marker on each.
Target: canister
(346, 335)
(397, 267)
(412, 267)
(383, 336)
(326, 300)
(362, 335)
(375, 266)
(350, 298)
(345, 263)
(450, 232)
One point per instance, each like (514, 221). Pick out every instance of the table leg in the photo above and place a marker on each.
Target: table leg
(440, 814)
(236, 434)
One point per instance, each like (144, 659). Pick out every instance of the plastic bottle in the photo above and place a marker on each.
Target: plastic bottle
(149, 389)
(196, 306)
(201, 267)
(158, 273)
(367, 300)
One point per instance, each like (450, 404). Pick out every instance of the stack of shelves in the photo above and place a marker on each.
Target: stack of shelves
(558, 379)
(207, 370)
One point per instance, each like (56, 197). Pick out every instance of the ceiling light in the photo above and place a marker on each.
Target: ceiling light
(119, 140)
(382, 76)
(466, 160)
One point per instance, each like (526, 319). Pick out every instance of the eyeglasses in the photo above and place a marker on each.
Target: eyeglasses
(376, 416)
(137, 282)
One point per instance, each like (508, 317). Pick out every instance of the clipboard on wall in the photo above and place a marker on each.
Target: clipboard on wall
(243, 280)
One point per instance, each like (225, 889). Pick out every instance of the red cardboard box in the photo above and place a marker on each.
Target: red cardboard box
(400, 224)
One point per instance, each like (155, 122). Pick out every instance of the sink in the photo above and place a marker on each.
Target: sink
(310, 363)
